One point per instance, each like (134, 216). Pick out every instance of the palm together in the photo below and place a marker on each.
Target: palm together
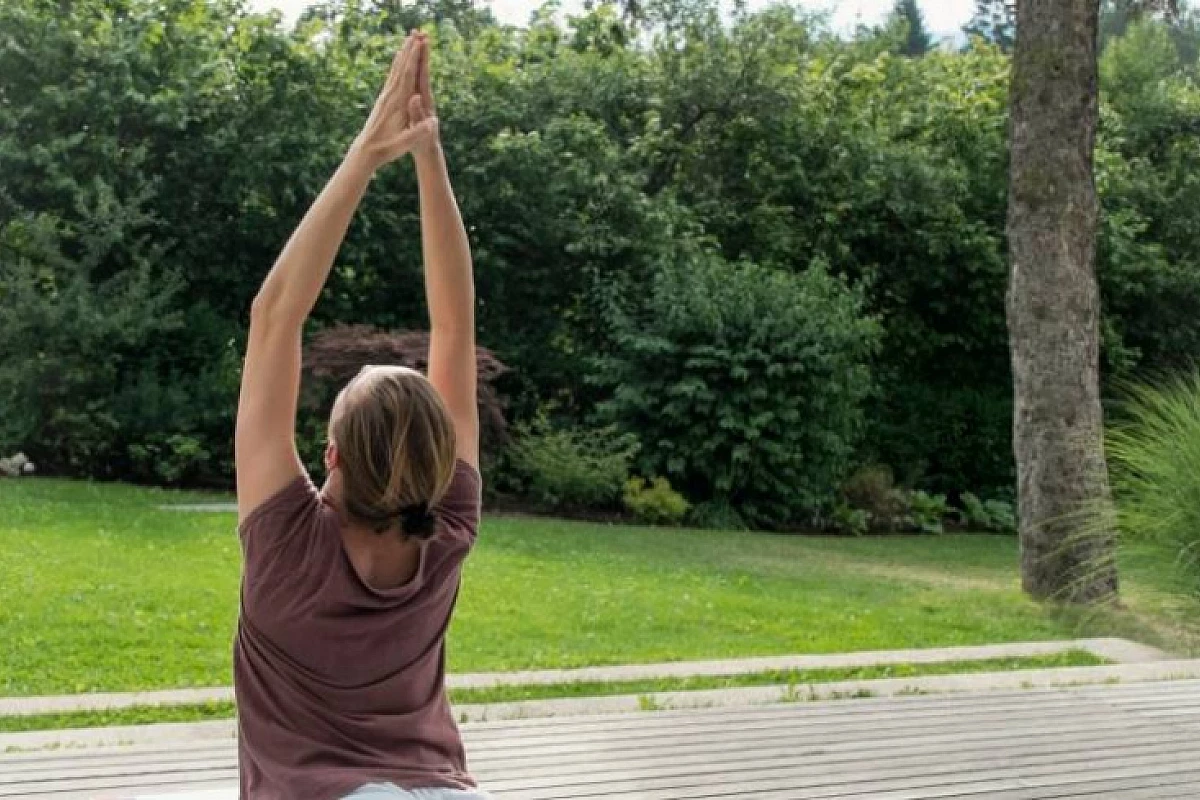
(403, 119)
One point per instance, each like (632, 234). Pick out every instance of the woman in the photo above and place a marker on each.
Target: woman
(347, 591)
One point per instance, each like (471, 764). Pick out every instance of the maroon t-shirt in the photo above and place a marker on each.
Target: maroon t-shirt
(338, 684)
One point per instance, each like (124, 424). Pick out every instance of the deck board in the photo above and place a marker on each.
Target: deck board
(1116, 742)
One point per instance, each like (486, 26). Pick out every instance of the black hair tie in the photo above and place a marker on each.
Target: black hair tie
(417, 520)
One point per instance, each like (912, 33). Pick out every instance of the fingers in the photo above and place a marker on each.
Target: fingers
(395, 79)
(423, 85)
(415, 135)
(408, 76)
(416, 109)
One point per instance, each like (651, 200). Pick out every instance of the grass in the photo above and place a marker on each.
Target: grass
(101, 591)
(506, 694)
(1154, 450)
(138, 715)
(141, 715)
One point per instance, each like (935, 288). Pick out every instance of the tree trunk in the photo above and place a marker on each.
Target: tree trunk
(1054, 305)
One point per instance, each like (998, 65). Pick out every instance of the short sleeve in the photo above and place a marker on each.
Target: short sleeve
(459, 510)
(292, 517)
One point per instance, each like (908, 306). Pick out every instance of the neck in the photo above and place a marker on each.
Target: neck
(332, 490)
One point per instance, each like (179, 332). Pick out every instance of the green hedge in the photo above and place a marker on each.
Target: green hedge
(744, 385)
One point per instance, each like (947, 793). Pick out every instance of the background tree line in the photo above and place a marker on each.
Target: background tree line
(727, 248)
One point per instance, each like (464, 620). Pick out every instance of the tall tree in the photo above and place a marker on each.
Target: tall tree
(917, 41)
(1117, 15)
(994, 21)
(1053, 304)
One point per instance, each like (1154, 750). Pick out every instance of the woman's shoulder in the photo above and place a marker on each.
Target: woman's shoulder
(460, 508)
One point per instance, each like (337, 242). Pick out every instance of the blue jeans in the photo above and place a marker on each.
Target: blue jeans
(390, 791)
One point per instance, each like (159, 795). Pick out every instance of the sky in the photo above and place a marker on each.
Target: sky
(944, 18)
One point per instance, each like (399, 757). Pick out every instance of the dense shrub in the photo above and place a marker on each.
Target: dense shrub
(583, 155)
(654, 501)
(716, 515)
(848, 519)
(744, 385)
(996, 516)
(569, 468)
(871, 501)
(872, 491)
(81, 343)
(926, 513)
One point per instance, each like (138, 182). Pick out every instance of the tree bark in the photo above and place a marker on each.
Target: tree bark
(1053, 305)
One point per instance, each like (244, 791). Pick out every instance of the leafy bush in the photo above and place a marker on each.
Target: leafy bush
(942, 435)
(872, 490)
(1154, 454)
(870, 500)
(850, 519)
(715, 515)
(927, 512)
(171, 459)
(73, 333)
(571, 468)
(655, 501)
(988, 515)
(744, 384)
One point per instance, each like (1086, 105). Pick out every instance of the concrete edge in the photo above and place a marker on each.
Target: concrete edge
(1121, 651)
(200, 508)
(1047, 679)
(878, 688)
(1126, 651)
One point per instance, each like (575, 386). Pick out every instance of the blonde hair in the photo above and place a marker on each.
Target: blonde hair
(396, 449)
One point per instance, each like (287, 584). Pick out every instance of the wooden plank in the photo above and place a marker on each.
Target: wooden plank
(863, 748)
(640, 727)
(926, 705)
(1121, 743)
(781, 743)
(179, 780)
(737, 756)
(815, 714)
(1175, 786)
(796, 736)
(931, 748)
(227, 787)
(788, 782)
(840, 709)
(830, 780)
(824, 730)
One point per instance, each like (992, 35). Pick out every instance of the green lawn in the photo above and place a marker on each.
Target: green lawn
(100, 591)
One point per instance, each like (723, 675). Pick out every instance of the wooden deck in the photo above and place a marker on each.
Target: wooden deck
(1121, 742)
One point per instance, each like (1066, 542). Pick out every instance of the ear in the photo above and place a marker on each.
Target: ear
(331, 457)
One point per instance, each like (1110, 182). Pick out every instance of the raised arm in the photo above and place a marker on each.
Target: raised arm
(264, 442)
(449, 283)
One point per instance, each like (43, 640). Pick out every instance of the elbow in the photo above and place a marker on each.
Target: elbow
(266, 311)
(260, 309)
(275, 311)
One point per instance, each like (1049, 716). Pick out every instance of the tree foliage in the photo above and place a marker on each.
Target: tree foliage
(995, 22)
(917, 41)
(155, 156)
(744, 384)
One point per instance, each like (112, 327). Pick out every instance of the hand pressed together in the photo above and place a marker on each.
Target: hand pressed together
(402, 120)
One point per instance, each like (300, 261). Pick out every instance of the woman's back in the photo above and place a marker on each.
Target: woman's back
(339, 683)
